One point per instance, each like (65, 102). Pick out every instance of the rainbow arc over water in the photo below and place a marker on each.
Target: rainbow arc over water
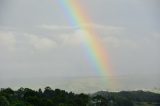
(94, 48)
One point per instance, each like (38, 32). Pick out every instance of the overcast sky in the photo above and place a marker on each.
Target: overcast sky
(39, 47)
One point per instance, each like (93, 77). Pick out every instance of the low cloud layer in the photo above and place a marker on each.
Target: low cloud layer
(69, 43)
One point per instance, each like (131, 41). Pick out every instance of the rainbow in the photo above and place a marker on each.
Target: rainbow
(93, 45)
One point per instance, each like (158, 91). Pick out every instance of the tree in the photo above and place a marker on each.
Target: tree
(100, 101)
(48, 92)
(4, 101)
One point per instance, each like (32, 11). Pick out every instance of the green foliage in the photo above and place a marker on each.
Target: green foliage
(57, 97)
(4, 101)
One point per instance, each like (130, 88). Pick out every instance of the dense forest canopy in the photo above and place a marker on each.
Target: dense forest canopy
(57, 97)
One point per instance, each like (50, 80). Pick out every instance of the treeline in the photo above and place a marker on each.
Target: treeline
(48, 97)
(130, 98)
(57, 97)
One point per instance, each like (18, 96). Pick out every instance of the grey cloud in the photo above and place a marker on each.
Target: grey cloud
(37, 41)
(7, 40)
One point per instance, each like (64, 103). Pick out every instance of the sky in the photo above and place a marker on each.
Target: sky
(39, 47)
